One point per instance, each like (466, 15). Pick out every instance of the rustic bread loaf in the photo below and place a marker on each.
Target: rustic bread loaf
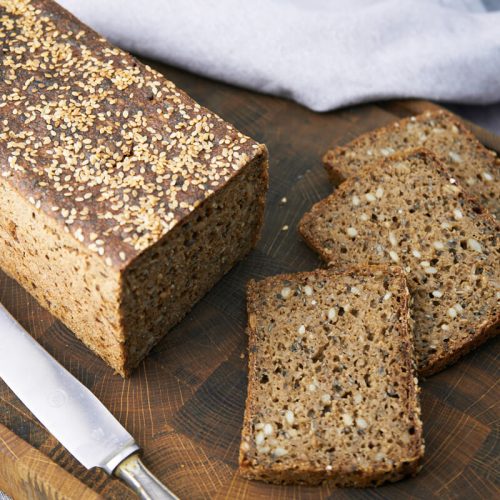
(122, 201)
(477, 168)
(408, 210)
(331, 393)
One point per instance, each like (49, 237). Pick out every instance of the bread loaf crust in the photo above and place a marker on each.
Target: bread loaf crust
(112, 160)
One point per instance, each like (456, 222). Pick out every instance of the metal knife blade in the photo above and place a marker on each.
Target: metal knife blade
(69, 411)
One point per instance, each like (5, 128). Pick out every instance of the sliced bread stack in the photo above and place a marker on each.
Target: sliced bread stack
(332, 392)
(408, 210)
(474, 166)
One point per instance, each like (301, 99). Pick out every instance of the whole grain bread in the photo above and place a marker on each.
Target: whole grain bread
(408, 210)
(475, 167)
(122, 201)
(332, 393)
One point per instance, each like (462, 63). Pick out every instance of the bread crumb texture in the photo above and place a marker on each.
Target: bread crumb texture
(408, 210)
(332, 393)
(476, 167)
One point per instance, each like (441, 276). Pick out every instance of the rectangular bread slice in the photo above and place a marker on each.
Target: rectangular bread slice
(331, 388)
(477, 168)
(408, 210)
(122, 201)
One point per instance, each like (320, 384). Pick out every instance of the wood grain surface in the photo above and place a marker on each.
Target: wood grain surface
(184, 404)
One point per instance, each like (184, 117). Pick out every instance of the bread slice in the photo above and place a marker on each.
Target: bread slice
(408, 210)
(439, 131)
(331, 392)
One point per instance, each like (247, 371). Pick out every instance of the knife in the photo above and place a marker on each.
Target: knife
(70, 412)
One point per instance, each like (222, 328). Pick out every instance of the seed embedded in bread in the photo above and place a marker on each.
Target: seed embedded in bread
(452, 262)
(476, 167)
(331, 381)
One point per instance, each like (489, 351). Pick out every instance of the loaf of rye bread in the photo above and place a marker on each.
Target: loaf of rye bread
(332, 393)
(122, 201)
(408, 210)
(474, 166)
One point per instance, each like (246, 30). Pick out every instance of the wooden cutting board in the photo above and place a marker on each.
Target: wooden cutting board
(184, 404)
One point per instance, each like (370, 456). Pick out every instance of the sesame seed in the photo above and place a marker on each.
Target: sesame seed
(394, 256)
(473, 244)
(268, 429)
(352, 232)
(347, 419)
(392, 239)
(438, 245)
(332, 313)
(279, 452)
(361, 423)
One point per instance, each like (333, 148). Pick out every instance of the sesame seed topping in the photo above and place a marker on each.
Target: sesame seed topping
(106, 145)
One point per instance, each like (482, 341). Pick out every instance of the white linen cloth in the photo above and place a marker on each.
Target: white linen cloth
(323, 54)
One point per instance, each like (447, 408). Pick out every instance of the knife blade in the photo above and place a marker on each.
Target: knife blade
(70, 412)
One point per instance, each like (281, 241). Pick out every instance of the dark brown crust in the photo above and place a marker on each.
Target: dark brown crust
(134, 98)
(486, 330)
(303, 473)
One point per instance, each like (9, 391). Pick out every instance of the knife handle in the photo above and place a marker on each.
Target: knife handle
(141, 480)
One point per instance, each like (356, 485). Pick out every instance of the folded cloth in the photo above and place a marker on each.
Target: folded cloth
(323, 54)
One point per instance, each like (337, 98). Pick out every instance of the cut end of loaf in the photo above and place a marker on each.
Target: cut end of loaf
(332, 393)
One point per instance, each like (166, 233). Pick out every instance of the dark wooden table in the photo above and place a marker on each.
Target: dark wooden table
(185, 403)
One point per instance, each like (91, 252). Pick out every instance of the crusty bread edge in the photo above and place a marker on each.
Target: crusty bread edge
(487, 329)
(409, 466)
